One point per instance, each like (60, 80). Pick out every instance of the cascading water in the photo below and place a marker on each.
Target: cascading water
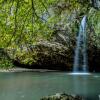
(80, 59)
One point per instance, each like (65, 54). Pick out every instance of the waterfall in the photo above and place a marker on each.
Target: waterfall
(80, 58)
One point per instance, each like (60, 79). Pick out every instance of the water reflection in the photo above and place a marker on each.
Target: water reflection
(33, 86)
(80, 86)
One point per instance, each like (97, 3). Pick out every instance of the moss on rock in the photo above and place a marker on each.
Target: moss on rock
(62, 96)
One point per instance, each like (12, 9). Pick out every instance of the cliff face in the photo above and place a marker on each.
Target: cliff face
(44, 55)
(95, 3)
(58, 52)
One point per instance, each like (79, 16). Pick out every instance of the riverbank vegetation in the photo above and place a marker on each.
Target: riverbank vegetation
(42, 33)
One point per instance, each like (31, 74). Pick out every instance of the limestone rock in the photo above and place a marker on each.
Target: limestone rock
(45, 54)
(62, 96)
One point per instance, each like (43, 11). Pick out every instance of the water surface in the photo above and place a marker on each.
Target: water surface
(34, 85)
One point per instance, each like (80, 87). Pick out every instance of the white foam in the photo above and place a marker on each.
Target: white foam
(99, 97)
(79, 73)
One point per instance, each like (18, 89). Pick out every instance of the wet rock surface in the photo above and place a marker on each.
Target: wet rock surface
(62, 96)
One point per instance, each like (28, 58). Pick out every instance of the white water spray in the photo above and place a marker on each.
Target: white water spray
(80, 59)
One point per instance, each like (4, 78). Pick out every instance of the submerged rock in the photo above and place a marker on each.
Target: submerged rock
(62, 96)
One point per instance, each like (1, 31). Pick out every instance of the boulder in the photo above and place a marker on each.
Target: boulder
(51, 55)
(44, 54)
(62, 96)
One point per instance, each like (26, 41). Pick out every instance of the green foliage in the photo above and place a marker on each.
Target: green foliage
(25, 22)
(94, 23)
(21, 21)
(5, 63)
(25, 56)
